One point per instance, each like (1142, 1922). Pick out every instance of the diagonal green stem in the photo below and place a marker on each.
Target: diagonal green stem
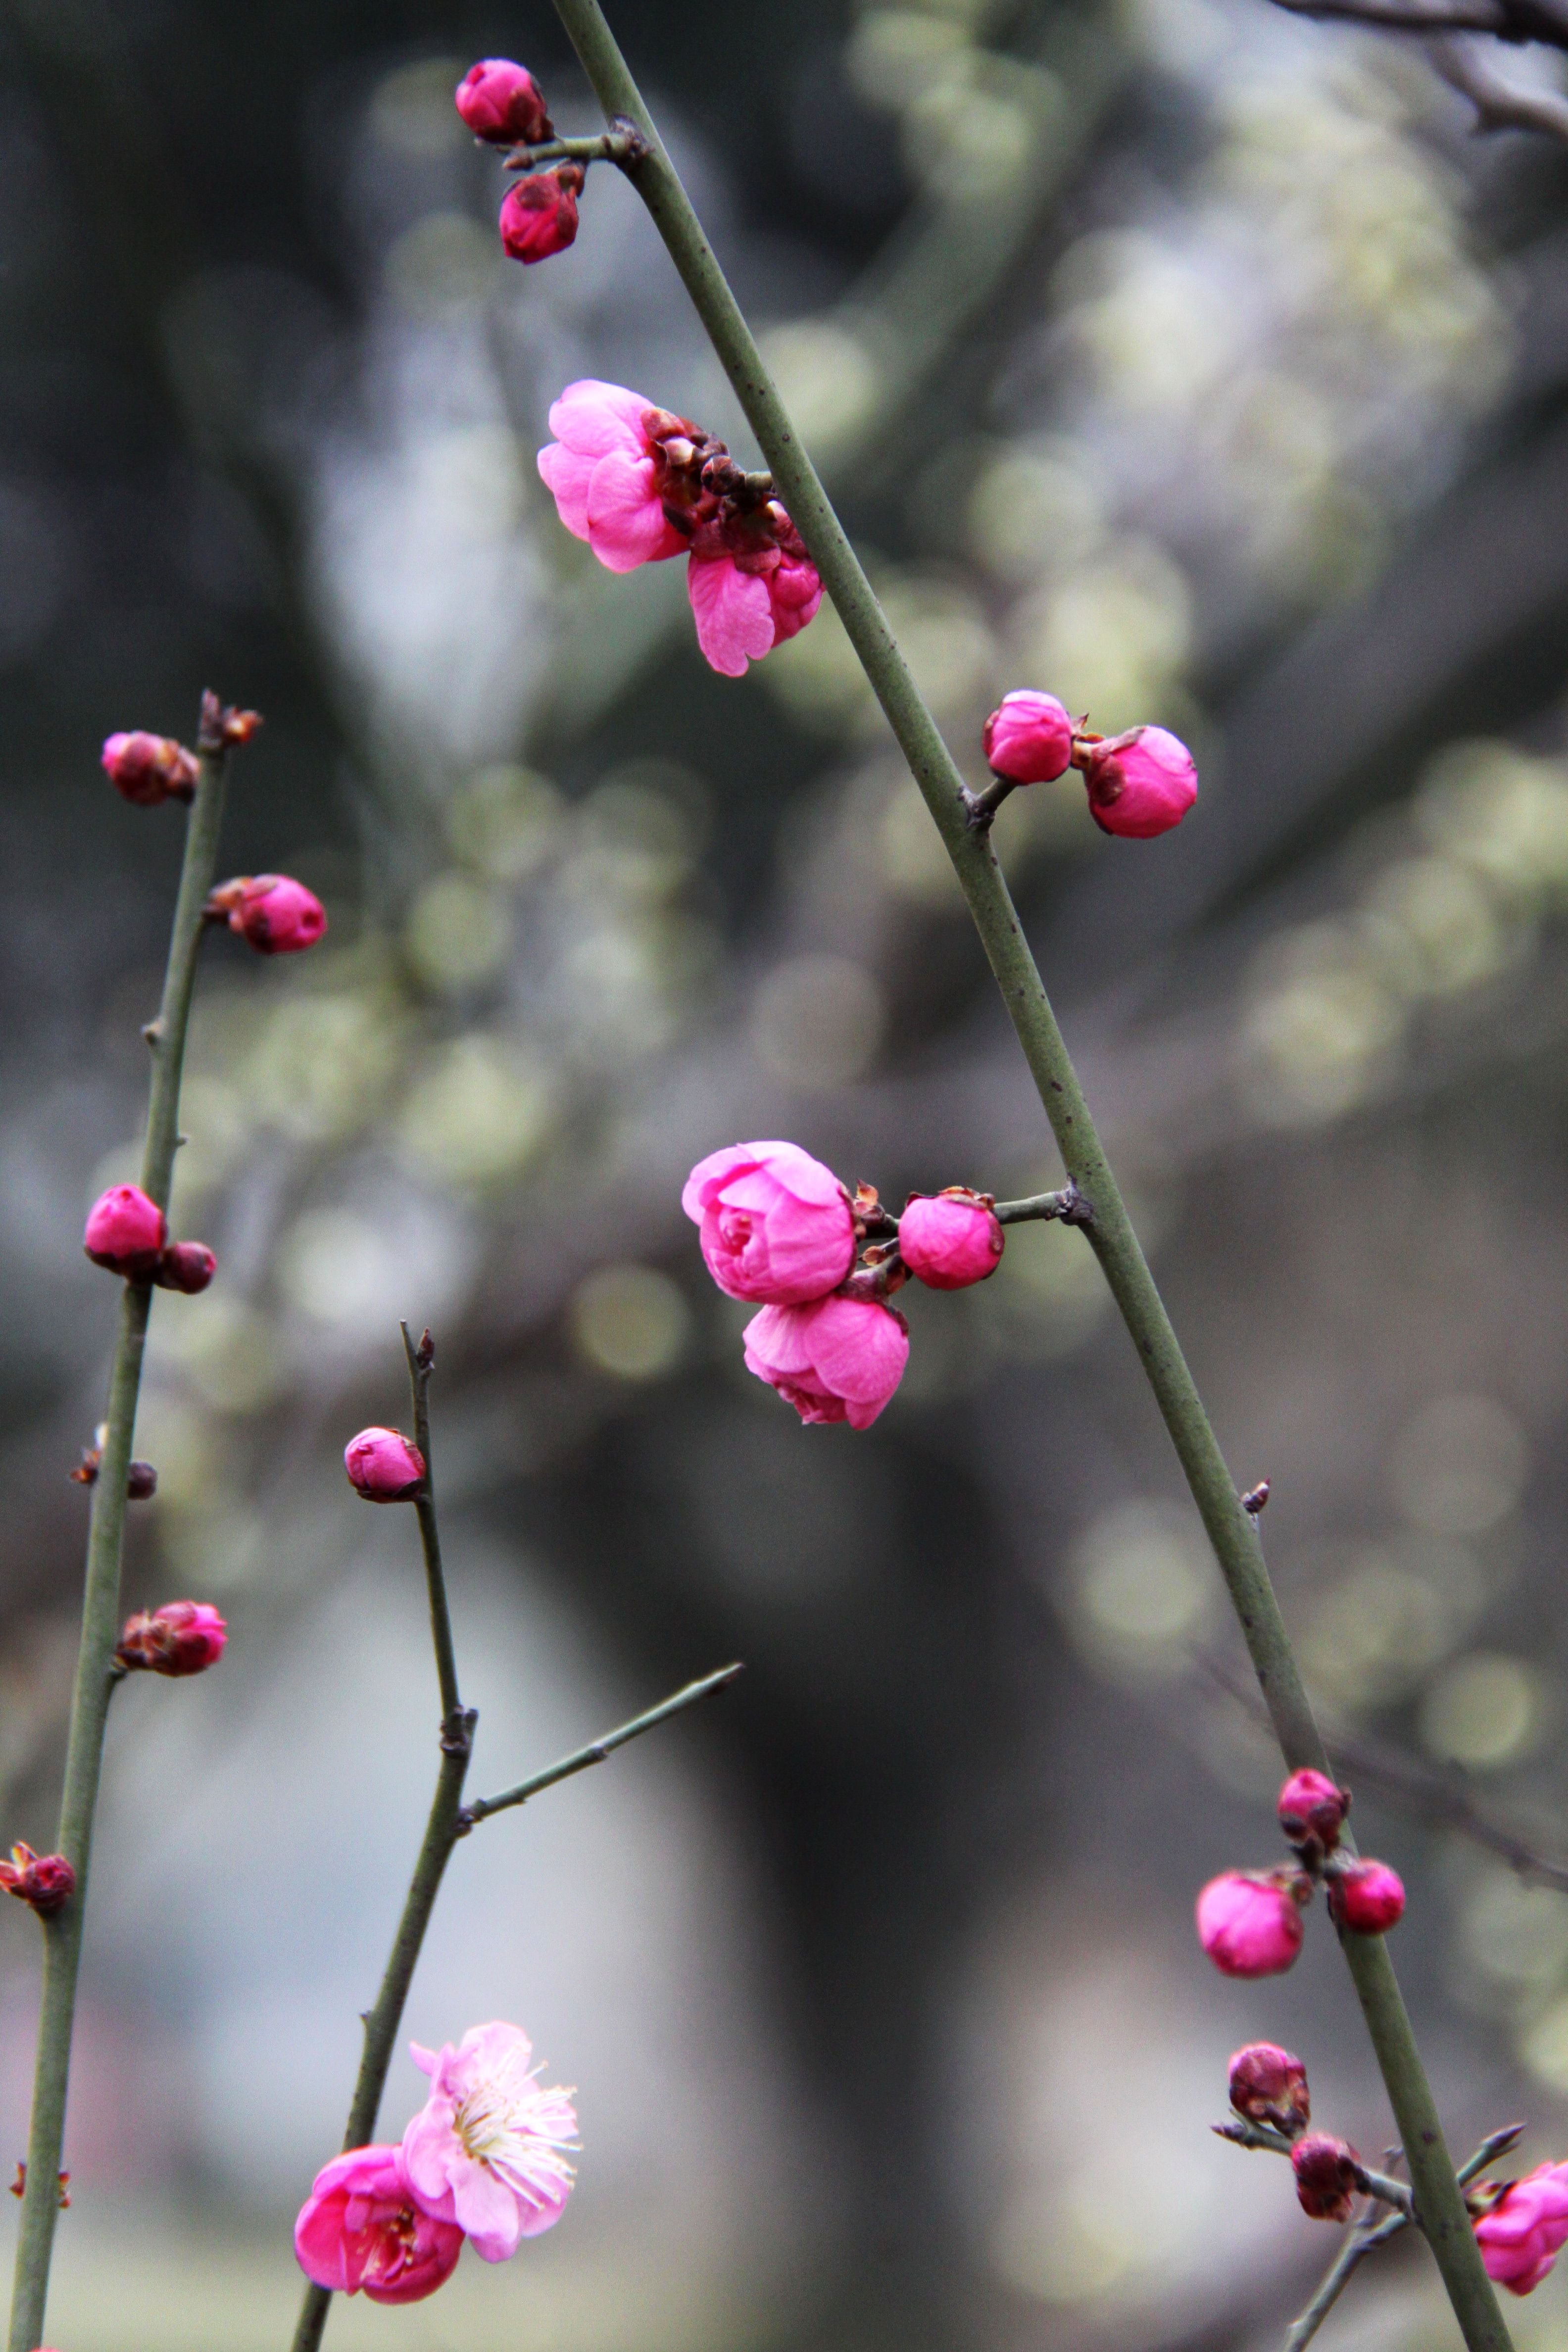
(101, 1600)
(597, 1751)
(1230, 1529)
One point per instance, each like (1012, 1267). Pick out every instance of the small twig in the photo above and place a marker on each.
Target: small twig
(598, 1749)
(1068, 1205)
(607, 147)
(1501, 103)
(421, 1363)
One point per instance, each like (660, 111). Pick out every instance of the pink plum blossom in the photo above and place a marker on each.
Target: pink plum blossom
(126, 1231)
(775, 1224)
(539, 214)
(360, 2227)
(835, 1359)
(1029, 738)
(609, 474)
(1141, 784)
(745, 604)
(1310, 1805)
(147, 769)
(952, 1240)
(487, 2149)
(383, 1466)
(183, 1637)
(1366, 1896)
(271, 912)
(500, 100)
(1520, 2238)
(1249, 1922)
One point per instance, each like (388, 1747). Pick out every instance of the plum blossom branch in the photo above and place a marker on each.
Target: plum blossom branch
(608, 147)
(597, 1751)
(1232, 1531)
(201, 782)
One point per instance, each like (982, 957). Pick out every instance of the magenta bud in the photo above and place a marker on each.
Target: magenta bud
(501, 101)
(148, 768)
(1328, 2175)
(383, 1466)
(126, 1231)
(183, 1637)
(141, 1481)
(1312, 1806)
(185, 1265)
(1250, 1922)
(1267, 2086)
(1366, 1897)
(1526, 2229)
(46, 1881)
(950, 1240)
(1029, 738)
(1141, 784)
(539, 217)
(271, 912)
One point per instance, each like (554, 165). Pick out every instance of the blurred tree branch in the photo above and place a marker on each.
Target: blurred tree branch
(1461, 61)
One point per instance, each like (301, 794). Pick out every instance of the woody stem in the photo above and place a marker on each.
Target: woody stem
(1231, 1531)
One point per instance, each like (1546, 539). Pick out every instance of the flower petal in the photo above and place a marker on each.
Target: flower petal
(733, 612)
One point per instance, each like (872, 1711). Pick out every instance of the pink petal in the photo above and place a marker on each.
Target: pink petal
(593, 418)
(542, 2208)
(733, 612)
(567, 475)
(708, 1178)
(626, 523)
(486, 2210)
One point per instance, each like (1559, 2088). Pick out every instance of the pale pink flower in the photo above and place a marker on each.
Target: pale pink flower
(835, 1359)
(383, 1466)
(126, 1231)
(1520, 2238)
(500, 100)
(951, 1241)
(610, 474)
(1366, 1896)
(775, 1224)
(360, 2227)
(183, 1637)
(276, 914)
(487, 2149)
(1249, 1922)
(539, 214)
(1029, 738)
(1310, 1805)
(1141, 784)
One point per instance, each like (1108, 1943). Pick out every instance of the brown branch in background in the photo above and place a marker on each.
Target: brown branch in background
(1458, 32)
(1435, 1797)
(1501, 104)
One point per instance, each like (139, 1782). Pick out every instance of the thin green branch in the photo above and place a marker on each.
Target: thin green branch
(421, 1363)
(100, 1599)
(1231, 1530)
(598, 1749)
(608, 147)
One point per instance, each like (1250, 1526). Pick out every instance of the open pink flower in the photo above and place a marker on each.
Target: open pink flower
(615, 461)
(486, 2150)
(1522, 2235)
(360, 2227)
(835, 1359)
(751, 585)
(776, 1226)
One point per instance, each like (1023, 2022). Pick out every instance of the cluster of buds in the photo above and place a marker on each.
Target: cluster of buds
(641, 485)
(140, 1478)
(1140, 783)
(183, 1637)
(148, 769)
(45, 1881)
(779, 1231)
(127, 1234)
(1249, 1921)
(270, 912)
(503, 106)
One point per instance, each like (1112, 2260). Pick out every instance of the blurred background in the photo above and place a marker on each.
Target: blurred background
(1181, 358)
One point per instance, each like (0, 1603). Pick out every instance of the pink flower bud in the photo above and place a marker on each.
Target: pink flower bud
(383, 1466)
(539, 214)
(360, 2227)
(1029, 738)
(46, 1881)
(147, 769)
(183, 1637)
(952, 1240)
(1366, 1896)
(1267, 2086)
(271, 912)
(835, 1359)
(1312, 1806)
(126, 1231)
(1141, 784)
(775, 1224)
(502, 102)
(1522, 2235)
(1250, 1922)
(185, 1265)
(1328, 2175)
